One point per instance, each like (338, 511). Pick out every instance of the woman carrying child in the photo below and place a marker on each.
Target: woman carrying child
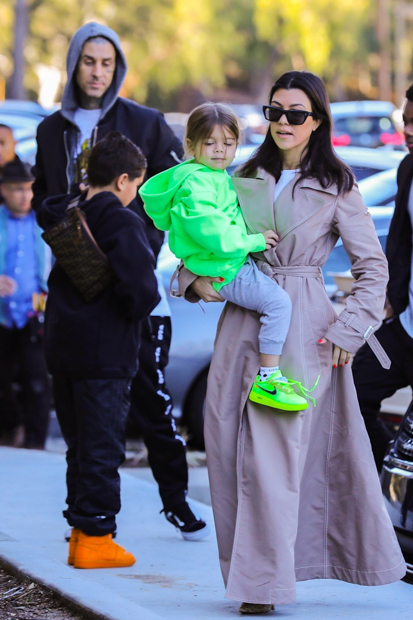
(196, 202)
(296, 495)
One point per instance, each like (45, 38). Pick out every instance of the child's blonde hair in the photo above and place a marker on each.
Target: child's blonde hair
(205, 117)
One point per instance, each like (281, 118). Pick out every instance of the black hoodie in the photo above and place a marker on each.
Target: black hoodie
(100, 339)
(57, 134)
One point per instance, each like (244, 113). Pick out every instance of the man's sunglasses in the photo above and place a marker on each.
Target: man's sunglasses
(294, 117)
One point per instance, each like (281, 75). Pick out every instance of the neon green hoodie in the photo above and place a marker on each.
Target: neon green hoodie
(200, 209)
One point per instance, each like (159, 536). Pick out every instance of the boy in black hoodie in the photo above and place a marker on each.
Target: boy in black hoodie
(92, 348)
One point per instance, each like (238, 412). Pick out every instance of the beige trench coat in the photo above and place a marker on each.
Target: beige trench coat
(297, 496)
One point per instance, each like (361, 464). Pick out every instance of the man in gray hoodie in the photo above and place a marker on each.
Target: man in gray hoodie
(91, 108)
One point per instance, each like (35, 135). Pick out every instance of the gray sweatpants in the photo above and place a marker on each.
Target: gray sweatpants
(253, 290)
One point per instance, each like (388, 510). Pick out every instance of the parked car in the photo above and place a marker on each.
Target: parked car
(26, 150)
(177, 122)
(365, 162)
(29, 109)
(193, 335)
(252, 120)
(339, 263)
(24, 131)
(397, 486)
(365, 123)
(244, 152)
(380, 189)
(24, 127)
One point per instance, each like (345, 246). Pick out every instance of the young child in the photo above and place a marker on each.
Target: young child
(196, 202)
(92, 348)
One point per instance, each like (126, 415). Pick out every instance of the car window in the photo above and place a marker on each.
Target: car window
(357, 125)
(362, 172)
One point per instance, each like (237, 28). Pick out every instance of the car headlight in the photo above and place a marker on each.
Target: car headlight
(405, 447)
(403, 444)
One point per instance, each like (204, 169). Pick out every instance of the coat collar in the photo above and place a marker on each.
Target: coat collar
(310, 183)
(256, 198)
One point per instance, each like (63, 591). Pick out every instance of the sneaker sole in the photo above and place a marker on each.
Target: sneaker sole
(264, 400)
(105, 564)
(198, 535)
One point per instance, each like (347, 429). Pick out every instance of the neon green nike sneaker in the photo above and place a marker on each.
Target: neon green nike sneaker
(278, 392)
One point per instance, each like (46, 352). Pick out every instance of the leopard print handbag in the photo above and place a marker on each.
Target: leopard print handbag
(77, 252)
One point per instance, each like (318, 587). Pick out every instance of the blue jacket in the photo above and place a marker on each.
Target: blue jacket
(43, 256)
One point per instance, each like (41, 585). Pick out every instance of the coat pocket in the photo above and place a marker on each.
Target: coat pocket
(318, 325)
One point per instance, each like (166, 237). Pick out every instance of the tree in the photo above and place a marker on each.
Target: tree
(210, 44)
(330, 37)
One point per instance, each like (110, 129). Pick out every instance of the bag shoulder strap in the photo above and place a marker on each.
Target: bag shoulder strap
(73, 203)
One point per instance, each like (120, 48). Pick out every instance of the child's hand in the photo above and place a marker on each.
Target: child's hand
(271, 239)
(7, 286)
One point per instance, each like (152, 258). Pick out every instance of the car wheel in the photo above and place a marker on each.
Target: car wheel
(195, 411)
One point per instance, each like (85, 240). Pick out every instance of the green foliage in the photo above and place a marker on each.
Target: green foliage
(208, 44)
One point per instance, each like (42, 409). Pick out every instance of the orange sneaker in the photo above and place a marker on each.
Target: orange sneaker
(100, 552)
(74, 539)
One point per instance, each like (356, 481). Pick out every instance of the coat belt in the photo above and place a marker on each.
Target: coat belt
(303, 271)
(367, 331)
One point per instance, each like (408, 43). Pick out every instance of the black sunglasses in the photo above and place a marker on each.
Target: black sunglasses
(294, 117)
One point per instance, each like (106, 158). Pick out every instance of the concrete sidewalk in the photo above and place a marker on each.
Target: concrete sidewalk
(171, 579)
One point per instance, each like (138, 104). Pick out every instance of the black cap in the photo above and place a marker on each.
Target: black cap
(16, 171)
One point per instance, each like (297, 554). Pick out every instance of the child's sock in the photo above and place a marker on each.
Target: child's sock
(266, 372)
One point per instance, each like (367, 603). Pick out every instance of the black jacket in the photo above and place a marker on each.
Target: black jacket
(399, 242)
(100, 339)
(146, 127)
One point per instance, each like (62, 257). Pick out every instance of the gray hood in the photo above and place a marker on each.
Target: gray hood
(69, 99)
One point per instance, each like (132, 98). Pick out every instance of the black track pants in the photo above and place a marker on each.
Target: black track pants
(374, 383)
(151, 411)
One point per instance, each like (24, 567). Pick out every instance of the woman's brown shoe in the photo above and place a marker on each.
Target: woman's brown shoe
(255, 608)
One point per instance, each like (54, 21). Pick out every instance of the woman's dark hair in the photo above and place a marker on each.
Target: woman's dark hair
(113, 156)
(318, 159)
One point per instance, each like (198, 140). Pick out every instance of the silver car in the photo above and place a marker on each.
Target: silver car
(365, 123)
(397, 485)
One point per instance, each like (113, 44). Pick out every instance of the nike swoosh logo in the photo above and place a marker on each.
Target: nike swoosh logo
(273, 392)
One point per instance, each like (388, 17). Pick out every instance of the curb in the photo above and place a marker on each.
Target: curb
(92, 600)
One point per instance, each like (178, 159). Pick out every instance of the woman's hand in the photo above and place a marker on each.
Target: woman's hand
(388, 310)
(340, 356)
(271, 239)
(202, 286)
